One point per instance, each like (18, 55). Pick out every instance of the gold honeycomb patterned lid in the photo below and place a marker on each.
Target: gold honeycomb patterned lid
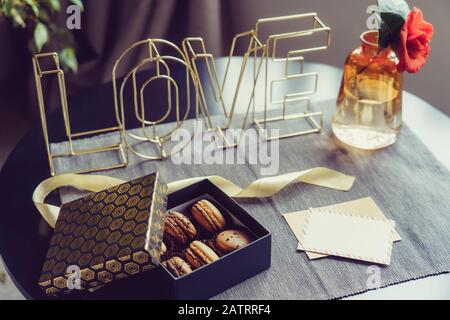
(106, 236)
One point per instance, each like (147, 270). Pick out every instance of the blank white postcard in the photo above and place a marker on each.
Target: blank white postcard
(344, 235)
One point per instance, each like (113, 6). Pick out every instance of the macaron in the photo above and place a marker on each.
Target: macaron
(208, 216)
(163, 249)
(177, 266)
(171, 244)
(230, 240)
(210, 242)
(180, 228)
(199, 254)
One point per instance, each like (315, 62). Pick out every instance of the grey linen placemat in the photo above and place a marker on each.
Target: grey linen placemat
(405, 180)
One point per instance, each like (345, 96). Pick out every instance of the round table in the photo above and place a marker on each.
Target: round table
(24, 235)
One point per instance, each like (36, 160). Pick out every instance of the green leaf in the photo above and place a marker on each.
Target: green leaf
(393, 15)
(391, 25)
(55, 5)
(68, 59)
(34, 6)
(40, 36)
(6, 7)
(78, 3)
(17, 17)
(44, 15)
(399, 7)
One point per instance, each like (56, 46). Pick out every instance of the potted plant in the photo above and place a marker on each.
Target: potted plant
(37, 18)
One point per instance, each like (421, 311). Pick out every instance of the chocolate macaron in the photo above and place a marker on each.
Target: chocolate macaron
(230, 240)
(177, 266)
(211, 242)
(208, 216)
(180, 228)
(199, 254)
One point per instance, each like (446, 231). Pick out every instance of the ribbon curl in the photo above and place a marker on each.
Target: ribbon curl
(261, 188)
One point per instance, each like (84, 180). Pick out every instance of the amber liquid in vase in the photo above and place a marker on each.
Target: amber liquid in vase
(369, 105)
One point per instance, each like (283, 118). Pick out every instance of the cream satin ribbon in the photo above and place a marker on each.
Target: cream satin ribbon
(261, 188)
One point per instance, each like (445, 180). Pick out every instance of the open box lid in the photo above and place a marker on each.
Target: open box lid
(106, 236)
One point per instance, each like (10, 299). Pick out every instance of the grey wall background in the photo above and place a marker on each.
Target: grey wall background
(218, 20)
(347, 19)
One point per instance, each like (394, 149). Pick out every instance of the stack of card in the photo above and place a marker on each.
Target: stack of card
(356, 230)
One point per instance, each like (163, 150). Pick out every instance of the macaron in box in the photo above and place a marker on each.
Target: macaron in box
(210, 244)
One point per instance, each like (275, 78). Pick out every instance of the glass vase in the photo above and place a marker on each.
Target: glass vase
(369, 105)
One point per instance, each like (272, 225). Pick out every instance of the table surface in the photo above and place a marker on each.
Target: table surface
(21, 227)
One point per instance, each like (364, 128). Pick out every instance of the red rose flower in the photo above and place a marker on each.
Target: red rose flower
(414, 46)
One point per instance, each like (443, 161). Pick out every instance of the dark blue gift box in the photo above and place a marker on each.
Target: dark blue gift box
(230, 269)
(212, 279)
